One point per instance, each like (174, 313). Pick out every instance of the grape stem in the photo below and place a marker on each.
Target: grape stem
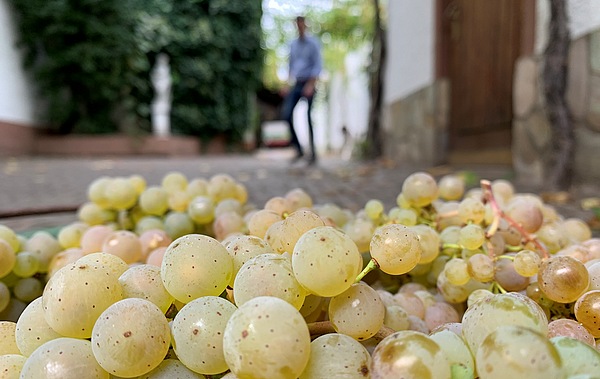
(372, 265)
(488, 196)
(325, 327)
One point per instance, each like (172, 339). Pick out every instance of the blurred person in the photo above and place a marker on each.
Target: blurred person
(305, 65)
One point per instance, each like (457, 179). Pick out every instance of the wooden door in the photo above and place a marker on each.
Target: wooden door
(478, 43)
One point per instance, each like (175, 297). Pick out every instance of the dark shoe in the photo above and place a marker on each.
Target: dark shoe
(312, 161)
(297, 158)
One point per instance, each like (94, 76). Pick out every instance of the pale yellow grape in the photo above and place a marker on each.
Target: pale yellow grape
(360, 231)
(274, 236)
(28, 289)
(429, 240)
(563, 279)
(440, 313)
(457, 293)
(221, 186)
(594, 273)
(527, 263)
(471, 210)
(299, 198)
(409, 355)
(553, 236)
(457, 271)
(566, 327)
(174, 181)
(419, 189)
(577, 229)
(261, 221)
(124, 244)
(120, 194)
(110, 263)
(97, 191)
(396, 318)
(156, 256)
(242, 248)
(478, 295)
(587, 309)
(525, 212)
(576, 356)
(153, 239)
(197, 187)
(515, 351)
(196, 265)
(131, 337)
(169, 369)
(178, 224)
(279, 205)
(93, 238)
(11, 366)
(63, 358)
(44, 246)
(396, 249)
(228, 223)
(296, 224)
(455, 349)
(227, 205)
(436, 269)
(154, 201)
(337, 356)
(268, 275)
(330, 211)
(138, 182)
(70, 235)
(149, 223)
(406, 217)
(506, 276)
(449, 216)
(8, 342)
(73, 313)
(4, 296)
(198, 331)
(503, 190)
(481, 268)
(32, 330)
(266, 338)
(10, 237)
(178, 201)
(471, 236)
(26, 264)
(326, 261)
(201, 210)
(411, 303)
(144, 282)
(8, 258)
(93, 214)
(451, 187)
(512, 308)
(63, 258)
(241, 193)
(427, 298)
(357, 312)
(374, 209)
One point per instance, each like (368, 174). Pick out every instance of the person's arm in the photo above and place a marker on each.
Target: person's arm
(309, 88)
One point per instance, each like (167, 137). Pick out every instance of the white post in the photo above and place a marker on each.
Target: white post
(161, 104)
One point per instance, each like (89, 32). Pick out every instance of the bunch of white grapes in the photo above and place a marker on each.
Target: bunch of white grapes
(186, 279)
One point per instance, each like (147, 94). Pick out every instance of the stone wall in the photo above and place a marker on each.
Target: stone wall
(531, 129)
(416, 127)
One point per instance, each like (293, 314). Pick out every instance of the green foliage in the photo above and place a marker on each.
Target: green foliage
(91, 61)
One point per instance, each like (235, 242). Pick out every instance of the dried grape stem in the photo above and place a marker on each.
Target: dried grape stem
(488, 196)
(325, 327)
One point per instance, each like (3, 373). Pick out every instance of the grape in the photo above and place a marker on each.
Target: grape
(525, 212)
(407, 217)
(10, 237)
(484, 316)
(228, 223)
(197, 187)
(419, 189)
(527, 263)
(44, 246)
(70, 235)
(440, 313)
(553, 236)
(503, 190)
(471, 210)
(429, 240)
(457, 271)
(361, 232)
(299, 198)
(409, 355)
(337, 356)
(587, 309)
(174, 181)
(28, 289)
(153, 239)
(594, 273)
(155, 257)
(96, 191)
(260, 222)
(138, 182)
(506, 276)
(451, 187)
(396, 318)
(8, 259)
(242, 248)
(124, 244)
(149, 223)
(4, 296)
(411, 303)
(455, 349)
(198, 334)
(412, 287)
(332, 212)
(357, 312)
(71, 312)
(93, 214)
(471, 236)
(131, 337)
(563, 279)
(268, 275)
(530, 355)
(577, 357)
(564, 327)
(110, 263)
(326, 261)
(154, 201)
(266, 337)
(481, 268)
(63, 358)
(396, 249)
(11, 366)
(227, 205)
(144, 282)
(295, 225)
(32, 330)
(279, 205)
(221, 186)
(8, 342)
(196, 265)
(178, 201)
(178, 224)
(449, 215)
(120, 194)
(374, 209)
(171, 368)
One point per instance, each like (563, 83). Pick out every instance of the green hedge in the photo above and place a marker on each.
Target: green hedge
(91, 61)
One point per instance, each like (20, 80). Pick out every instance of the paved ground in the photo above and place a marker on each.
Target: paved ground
(38, 184)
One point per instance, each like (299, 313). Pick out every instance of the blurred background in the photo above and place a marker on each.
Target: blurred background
(429, 82)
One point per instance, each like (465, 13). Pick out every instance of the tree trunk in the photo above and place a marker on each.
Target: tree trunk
(374, 145)
(559, 162)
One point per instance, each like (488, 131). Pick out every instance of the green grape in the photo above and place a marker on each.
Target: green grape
(577, 357)
(437, 266)
(8, 342)
(477, 295)
(178, 224)
(396, 249)
(407, 217)
(553, 236)
(178, 201)
(131, 337)
(357, 312)
(451, 187)
(120, 194)
(10, 237)
(198, 331)
(196, 265)
(124, 244)
(360, 231)
(419, 189)
(330, 211)
(515, 351)
(594, 273)
(296, 224)
(97, 189)
(229, 205)
(149, 223)
(587, 308)
(481, 268)
(457, 293)
(138, 182)
(4, 296)
(396, 318)
(11, 365)
(154, 201)
(63, 358)
(241, 248)
(337, 356)
(268, 275)
(563, 279)
(174, 181)
(512, 308)
(374, 209)
(44, 246)
(28, 289)
(221, 186)
(471, 236)
(456, 271)
(429, 240)
(527, 263)
(455, 349)
(566, 327)
(70, 235)
(325, 261)
(197, 187)
(109, 263)
(172, 368)
(93, 214)
(266, 338)
(411, 355)
(97, 288)
(577, 229)
(260, 222)
(8, 259)
(144, 282)
(32, 330)
(471, 210)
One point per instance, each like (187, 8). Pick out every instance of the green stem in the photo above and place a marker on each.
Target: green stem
(498, 287)
(512, 248)
(451, 246)
(372, 265)
(512, 258)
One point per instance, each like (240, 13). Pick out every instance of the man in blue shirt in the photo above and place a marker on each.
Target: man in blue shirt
(304, 68)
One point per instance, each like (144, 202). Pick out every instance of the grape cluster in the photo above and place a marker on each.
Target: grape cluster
(187, 279)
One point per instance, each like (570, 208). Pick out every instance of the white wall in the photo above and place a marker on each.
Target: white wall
(16, 95)
(411, 47)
